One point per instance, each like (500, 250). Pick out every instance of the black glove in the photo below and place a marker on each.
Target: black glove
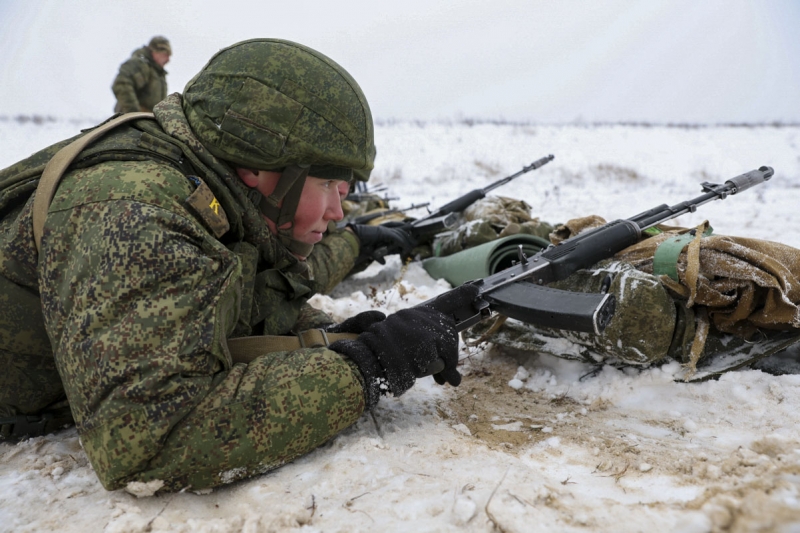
(393, 353)
(357, 324)
(379, 241)
(459, 298)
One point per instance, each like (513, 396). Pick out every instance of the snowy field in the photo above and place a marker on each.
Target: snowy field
(523, 444)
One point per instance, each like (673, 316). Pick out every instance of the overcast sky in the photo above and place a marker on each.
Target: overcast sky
(543, 61)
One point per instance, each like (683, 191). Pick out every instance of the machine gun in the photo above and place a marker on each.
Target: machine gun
(520, 291)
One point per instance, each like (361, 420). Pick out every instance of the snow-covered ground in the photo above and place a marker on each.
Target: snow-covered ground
(523, 444)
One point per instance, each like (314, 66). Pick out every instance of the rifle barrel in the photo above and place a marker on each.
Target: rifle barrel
(466, 200)
(662, 213)
(533, 166)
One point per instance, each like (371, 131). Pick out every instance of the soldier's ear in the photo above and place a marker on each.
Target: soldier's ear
(248, 176)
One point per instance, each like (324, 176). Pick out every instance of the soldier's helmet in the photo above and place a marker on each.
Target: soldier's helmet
(270, 104)
(267, 103)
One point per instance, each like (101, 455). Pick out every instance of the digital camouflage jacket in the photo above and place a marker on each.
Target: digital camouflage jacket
(140, 84)
(152, 256)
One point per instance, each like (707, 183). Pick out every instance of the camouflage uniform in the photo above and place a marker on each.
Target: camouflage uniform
(141, 83)
(153, 255)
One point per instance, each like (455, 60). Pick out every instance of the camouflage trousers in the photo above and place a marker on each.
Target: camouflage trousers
(254, 418)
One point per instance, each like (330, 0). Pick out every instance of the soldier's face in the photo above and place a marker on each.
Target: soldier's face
(320, 202)
(162, 58)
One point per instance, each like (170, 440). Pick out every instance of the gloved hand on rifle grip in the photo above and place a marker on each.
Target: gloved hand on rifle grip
(448, 303)
(357, 324)
(392, 237)
(391, 354)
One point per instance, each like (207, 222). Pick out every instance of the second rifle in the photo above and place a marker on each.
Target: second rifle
(423, 229)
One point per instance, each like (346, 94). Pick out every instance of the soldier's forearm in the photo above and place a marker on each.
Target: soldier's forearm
(123, 89)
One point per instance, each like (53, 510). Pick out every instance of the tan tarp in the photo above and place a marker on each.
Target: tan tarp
(744, 284)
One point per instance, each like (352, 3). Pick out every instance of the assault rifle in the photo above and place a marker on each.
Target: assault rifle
(367, 217)
(366, 196)
(519, 291)
(362, 192)
(422, 229)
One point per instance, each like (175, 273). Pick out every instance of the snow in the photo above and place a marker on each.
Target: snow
(528, 442)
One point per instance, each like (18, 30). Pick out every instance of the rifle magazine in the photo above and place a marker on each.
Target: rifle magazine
(554, 308)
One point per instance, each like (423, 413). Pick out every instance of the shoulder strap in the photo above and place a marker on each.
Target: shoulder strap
(245, 349)
(56, 167)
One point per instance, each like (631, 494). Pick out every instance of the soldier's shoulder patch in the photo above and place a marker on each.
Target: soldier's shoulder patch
(206, 205)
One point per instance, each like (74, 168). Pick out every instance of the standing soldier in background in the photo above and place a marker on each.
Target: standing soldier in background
(142, 81)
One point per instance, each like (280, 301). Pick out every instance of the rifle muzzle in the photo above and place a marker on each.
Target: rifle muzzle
(750, 179)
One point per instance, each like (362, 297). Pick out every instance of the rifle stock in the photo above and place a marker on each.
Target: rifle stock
(520, 292)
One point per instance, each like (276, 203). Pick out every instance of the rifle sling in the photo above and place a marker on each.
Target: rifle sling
(16, 427)
(246, 349)
(58, 164)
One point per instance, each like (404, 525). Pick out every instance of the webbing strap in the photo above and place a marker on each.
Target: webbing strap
(245, 349)
(281, 206)
(18, 427)
(665, 258)
(56, 167)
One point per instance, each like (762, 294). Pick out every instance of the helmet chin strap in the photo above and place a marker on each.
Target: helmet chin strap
(288, 191)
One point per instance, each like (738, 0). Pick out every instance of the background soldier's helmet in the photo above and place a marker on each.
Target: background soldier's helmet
(266, 104)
